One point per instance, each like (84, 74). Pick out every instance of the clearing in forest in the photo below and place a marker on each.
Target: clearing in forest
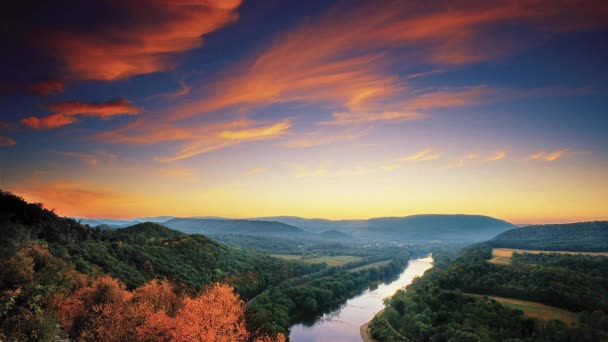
(372, 265)
(538, 310)
(331, 260)
(503, 255)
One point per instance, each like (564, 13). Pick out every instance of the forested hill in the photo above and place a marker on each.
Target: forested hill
(141, 252)
(432, 227)
(243, 227)
(582, 236)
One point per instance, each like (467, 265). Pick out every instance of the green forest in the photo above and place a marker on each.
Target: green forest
(45, 257)
(444, 304)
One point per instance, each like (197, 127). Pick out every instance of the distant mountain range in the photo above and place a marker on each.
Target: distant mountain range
(445, 228)
(242, 227)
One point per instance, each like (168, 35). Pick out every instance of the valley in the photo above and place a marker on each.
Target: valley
(298, 286)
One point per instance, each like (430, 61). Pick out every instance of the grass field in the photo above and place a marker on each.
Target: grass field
(503, 255)
(372, 265)
(538, 310)
(336, 260)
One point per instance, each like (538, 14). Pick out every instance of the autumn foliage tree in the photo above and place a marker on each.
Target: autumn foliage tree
(103, 310)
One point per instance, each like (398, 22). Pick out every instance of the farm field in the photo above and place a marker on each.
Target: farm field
(372, 265)
(335, 260)
(538, 310)
(503, 256)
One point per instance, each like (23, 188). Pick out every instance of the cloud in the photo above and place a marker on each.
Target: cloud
(221, 138)
(89, 159)
(346, 118)
(424, 155)
(305, 171)
(550, 156)
(135, 41)
(256, 170)
(47, 87)
(324, 60)
(78, 197)
(498, 155)
(181, 173)
(391, 167)
(263, 132)
(183, 90)
(462, 161)
(7, 142)
(66, 113)
(325, 137)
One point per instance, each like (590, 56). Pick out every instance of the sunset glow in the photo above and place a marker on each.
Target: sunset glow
(353, 109)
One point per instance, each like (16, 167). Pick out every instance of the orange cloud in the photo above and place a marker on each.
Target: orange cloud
(498, 155)
(325, 60)
(79, 197)
(461, 162)
(7, 142)
(85, 157)
(549, 156)
(423, 155)
(219, 139)
(182, 173)
(143, 41)
(391, 167)
(47, 87)
(67, 112)
(256, 170)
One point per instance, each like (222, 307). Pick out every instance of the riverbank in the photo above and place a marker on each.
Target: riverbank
(365, 329)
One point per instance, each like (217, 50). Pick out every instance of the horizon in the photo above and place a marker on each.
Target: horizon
(269, 218)
(243, 109)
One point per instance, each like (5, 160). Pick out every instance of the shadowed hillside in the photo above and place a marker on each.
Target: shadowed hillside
(582, 236)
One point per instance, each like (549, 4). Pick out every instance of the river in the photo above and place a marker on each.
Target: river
(342, 325)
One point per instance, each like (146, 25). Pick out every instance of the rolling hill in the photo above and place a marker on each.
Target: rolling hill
(242, 227)
(141, 252)
(582, 236)
(436, 227)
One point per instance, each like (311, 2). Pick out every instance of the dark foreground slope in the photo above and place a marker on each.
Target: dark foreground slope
(582, 236)
(141, 252)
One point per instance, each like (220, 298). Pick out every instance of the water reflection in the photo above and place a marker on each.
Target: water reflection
(343, 322)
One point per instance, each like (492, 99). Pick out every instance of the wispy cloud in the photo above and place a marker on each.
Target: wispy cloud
(550, 156)
(350, 67)
(137, 42)
(183, 173)
(424, 155)
(91, 159)
(498, 155)
(7, 142)
(183, 90)
(47, 87)
(323, 170)
(256, 170)
(201, 144)
(87, 158)
(391, 167)
(324, 136)
(463, 161)
(83, 197)
(67, 113)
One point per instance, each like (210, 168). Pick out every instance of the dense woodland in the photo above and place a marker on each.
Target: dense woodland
(582, 236)
(61, 278)
(439, 307)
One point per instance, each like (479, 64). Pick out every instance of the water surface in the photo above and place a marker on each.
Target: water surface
(342, 325)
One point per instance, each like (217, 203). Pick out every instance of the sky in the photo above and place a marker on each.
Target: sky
(332, 109)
